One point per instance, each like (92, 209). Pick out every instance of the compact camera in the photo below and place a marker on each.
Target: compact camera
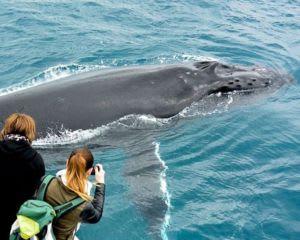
(93, 171)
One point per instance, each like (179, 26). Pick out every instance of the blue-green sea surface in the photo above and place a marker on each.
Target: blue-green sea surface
(226, 171)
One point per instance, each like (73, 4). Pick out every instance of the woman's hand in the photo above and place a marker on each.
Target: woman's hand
(99, 174)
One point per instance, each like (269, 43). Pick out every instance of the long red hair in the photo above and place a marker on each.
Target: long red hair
(79, 162)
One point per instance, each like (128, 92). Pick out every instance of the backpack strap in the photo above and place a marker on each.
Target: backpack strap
(15, 234)
(62, 208)
(67, 206)
(43, 187)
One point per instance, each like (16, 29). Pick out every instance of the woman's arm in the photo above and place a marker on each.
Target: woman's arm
(92, 212)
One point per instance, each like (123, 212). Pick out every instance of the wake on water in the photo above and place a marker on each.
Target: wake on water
(165, 192)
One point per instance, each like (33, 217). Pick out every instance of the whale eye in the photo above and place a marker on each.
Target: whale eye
(236, 80)
(250, 84)
(254, 79)
(202, 65)
(230, 83)
(238, 86)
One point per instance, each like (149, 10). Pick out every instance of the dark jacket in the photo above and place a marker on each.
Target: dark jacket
(89, 212)
(21, 170)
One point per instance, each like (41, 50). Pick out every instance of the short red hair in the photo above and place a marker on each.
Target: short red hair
(19, 123)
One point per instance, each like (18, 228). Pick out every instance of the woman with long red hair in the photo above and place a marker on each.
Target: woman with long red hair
(71, 183)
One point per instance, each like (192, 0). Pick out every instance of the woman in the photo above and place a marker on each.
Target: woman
(21, 166)
(71, 183)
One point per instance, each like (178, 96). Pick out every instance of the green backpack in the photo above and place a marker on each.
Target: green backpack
(35, 216)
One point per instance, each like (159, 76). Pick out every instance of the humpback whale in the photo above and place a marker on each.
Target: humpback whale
(92, 99)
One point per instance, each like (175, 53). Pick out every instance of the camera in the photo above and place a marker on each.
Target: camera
(93, 171)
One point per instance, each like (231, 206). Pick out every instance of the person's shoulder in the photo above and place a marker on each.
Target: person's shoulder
(39, 156)
(61, 173)
(36, 161)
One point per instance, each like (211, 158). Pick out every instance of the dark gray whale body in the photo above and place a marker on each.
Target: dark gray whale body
(89, 100)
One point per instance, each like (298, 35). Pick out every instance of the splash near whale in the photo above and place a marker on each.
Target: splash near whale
(96, 98)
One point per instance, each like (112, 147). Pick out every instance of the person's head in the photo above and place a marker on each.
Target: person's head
(19, 123)
(79, 167)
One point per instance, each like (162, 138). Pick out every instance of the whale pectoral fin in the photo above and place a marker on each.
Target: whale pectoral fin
(142, 172)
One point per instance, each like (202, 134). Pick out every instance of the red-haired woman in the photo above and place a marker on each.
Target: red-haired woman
(21, 167)
(71, 183)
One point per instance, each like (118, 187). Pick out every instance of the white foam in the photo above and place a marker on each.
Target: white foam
(51, 74)
(182, 58)
(213, 104)
(165, 192)
(139, 121)
(188, 57)
(66, 137)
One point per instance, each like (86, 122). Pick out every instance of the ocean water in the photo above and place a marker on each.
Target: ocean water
(225, 171)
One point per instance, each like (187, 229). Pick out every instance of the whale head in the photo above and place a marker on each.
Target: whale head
(226, 79)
